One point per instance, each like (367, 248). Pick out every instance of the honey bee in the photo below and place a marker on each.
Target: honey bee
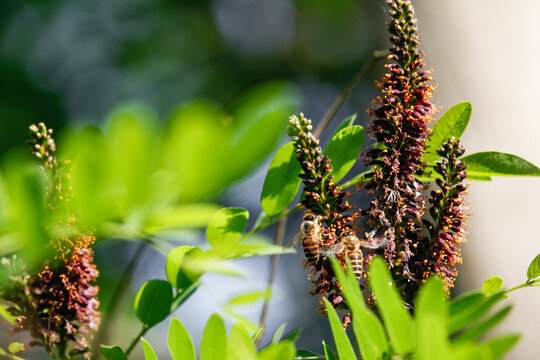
(353, 246)
(309, 236)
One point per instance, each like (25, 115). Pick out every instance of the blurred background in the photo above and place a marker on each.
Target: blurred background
(77, 61)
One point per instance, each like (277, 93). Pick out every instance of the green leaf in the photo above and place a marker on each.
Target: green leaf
(502, 344)
(431, 314)
(397, 320)
(260, 120)
(175, 267)
(153, 301)
(472, 312)
(367, 327)
(479, 177)
(343, 344)
(113, 352)
(214, 339)
(282, 351)
(282, 182)
(186, 294)
(179, 216)
(226, 227)
(471, 351)
(432, 339)
(328, 353)
(3, 352)
(249, 297)
(534, 268)
(5, 314)
(484, 326)
(293, 335)
(305, 354)
(149, 353)
(452, 123)
(179, 341)
(360, 178)
(465, 301)
(492, 285)
(343, 150)
(278, 334)
(348, 121)
(240, 346)
(492, 163)
(15, 347)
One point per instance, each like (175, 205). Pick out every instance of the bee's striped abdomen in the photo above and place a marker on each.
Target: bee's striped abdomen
(357, 263)
(311, 250)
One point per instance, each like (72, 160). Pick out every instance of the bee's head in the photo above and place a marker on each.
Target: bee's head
(309, 217)
(346, 232)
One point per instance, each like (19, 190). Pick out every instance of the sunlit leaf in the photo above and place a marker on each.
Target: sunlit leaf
(397, 320)
(278, 334)
(249, 298)
(27, 218)
(348, 121)
(343, 150)
(282, 182)
(179, 341)
(534, 268)
(226, 227)
(260, 119)
(15, 347)
(131, 134)
(176, 275)
(367, 327)
(113, 352)
(180, 216)
(502, 344)
(153, 301)
(214, 339)
(240, 346)
(282, 351)
(149, 353)
(328, 353)
(492, 285)
(343, 344)
(431, 315)
(195, 146)
(5, 314)
(452, 123)
(492, 163)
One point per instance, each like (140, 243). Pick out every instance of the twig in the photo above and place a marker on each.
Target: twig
(345, 92)
(136, 339)
(108, 313)
(278, 240)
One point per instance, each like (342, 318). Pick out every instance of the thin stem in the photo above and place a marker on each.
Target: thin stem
(345, 92)
(136, 339)
(278, 240)
(125, 280)
(528, 283)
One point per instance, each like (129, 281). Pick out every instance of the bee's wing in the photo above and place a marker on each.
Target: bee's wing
(332, 249)
(294, 241)
(377, 242)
